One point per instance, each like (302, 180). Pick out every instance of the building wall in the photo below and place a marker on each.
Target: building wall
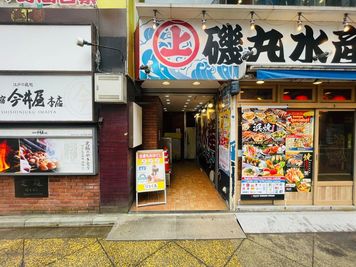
(66, 194)
(113, 155)
(152, 122)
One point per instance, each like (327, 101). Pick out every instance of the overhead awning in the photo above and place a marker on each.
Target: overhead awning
(306, 74)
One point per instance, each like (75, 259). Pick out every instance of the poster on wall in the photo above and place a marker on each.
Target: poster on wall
(224, 114)
(150, 171)
(47, 151)
(207, 140)
(299, 150)
(263, 147)
(46, 98)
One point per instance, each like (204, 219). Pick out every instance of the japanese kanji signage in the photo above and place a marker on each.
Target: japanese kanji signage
(183, 50)
(64, 3)
(150, 171)
(31, 151)
(46, 98)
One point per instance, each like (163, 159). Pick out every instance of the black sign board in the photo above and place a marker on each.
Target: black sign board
(31, 186)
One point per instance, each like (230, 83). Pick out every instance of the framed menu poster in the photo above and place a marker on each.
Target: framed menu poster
(263, 148)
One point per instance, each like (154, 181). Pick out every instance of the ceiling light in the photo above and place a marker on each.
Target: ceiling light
(185, 106)
(259, 98)
(203, 20)
(252, 20)
(166, 95)
(196, 83)
(200, 103)
(346, 24)
(299, 22)
(188, 99)
(189, 96)
(260, 82)
(210, 105)
(166, 83)
(168, 103)
(317, 81)
(155, 20)
(168, 100)
(204, 110)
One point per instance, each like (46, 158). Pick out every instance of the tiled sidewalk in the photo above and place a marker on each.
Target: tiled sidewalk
(190, 189)
(17, 248)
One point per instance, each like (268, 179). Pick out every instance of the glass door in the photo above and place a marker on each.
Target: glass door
(336, 145)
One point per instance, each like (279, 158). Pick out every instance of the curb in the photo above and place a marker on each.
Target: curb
(58, 220)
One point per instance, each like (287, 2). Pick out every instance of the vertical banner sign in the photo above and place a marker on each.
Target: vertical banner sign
(299, 150)
(263, 146)
(150, 173)
(224, 131)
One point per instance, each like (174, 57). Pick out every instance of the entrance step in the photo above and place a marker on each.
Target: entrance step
(192, 226)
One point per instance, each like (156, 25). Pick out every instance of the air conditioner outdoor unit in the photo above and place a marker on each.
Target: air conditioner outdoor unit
(110, 88)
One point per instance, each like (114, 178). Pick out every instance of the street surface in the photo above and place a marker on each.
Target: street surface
(86, 246)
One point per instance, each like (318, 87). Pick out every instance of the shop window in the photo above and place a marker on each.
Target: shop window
(337, 95)
(297, 95)
(257, 94)
(336, 142)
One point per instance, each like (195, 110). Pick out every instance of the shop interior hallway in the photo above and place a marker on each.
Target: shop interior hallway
(190, 190)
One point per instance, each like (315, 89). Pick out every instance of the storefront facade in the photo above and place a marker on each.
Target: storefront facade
(55, 155)
(274, 142)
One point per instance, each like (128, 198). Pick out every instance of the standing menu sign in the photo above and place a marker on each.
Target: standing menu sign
(299, 150)
(150, 173)
(263, 146)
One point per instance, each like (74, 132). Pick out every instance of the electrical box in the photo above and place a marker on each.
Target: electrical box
(110, 88)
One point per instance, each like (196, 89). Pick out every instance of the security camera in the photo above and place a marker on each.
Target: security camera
(81, 42)
(146, 68)
(249, 52)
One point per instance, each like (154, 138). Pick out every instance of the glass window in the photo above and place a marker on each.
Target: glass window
(335, 95)
(297, 94)
(258, 94)
(336, 142)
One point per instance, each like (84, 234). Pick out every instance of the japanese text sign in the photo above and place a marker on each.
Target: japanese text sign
(183, 50)
(33, 151)
(46, 98)
(150, 171)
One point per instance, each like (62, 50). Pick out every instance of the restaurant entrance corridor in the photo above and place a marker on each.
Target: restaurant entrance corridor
(190, 190)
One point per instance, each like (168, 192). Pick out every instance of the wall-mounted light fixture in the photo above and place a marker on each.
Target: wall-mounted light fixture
(155, 22)
(252, 20)
(346, 23)
(317, 82)
(81, 42)
(203, 20)
(299, 22)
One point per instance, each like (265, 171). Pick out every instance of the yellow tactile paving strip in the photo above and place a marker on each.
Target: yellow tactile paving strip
(190, 190)
(99, 252)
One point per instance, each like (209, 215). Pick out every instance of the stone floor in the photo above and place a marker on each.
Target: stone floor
(190, 189)
(86, 246)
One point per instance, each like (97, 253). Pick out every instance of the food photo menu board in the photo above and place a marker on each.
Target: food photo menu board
(299, 150)
(47, 151)
(263, 147)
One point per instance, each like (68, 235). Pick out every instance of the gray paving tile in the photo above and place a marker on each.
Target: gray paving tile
(251, 254)
(297, 247)
(335, 249)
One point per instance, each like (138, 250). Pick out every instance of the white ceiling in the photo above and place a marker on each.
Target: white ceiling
(181, 93)
(263, 12)
(184, 102)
